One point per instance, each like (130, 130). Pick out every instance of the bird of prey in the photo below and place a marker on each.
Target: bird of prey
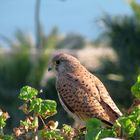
(81, 93)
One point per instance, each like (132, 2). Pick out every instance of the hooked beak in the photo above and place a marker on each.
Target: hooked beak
(50, 66)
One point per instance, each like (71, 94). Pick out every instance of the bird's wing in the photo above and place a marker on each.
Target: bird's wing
(71, 109)
(104, 95)
(77, 99)
(70, 96)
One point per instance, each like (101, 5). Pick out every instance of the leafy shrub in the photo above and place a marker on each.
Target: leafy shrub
(127, 126)
(22, 65)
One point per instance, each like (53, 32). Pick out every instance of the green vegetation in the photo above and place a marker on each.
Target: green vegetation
(25, 65)
(135, 89)
(127, 126)
(22, 65)
(122, 34)
(35, 108)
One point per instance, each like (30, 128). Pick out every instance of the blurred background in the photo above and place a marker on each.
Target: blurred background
(105, 36)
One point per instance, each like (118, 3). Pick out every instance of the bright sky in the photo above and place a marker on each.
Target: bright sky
(69, 16)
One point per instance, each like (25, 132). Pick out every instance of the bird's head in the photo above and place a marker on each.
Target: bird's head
(63, 62)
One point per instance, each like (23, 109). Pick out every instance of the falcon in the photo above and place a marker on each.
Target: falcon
(81, 93)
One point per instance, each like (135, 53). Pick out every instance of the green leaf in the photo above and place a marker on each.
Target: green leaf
(7, 137)
(135, 115)
(131, 124)
(135, 89)
(28, 93)
(45, 108)
(24, 123)
(93, 129)
(138, 78)
(67, 129)
(96, 132)
(50, 105)
(2, 122)
(51, 135)
(107, 133)
(137, 133)
(128, 126)
(35, 105)
(48, 108)
(34, 123)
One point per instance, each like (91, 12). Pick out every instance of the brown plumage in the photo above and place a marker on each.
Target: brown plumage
(82, 94)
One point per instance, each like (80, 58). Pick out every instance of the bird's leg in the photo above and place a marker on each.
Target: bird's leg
(79, 129)
(80, 126)
(80, 132)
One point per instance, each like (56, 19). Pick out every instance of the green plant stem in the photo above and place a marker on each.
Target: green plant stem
(36, 128)
(42, 121)
(1, 131)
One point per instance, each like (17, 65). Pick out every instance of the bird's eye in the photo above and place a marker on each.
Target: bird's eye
(57, 62)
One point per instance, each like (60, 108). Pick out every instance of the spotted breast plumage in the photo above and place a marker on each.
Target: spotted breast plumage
(81, 93)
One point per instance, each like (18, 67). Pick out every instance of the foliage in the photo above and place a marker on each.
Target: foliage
(7, 137)
(23, 64)
(122, 34)
(35, 108)
(135, 89)
(136, 8)
(3, 117)
(43, 108)
(131, 124)
(28, 93)
(96, 132)
(127, 126)
(50, 135)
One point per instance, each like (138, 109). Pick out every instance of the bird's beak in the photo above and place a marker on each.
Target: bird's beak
(50, 66)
